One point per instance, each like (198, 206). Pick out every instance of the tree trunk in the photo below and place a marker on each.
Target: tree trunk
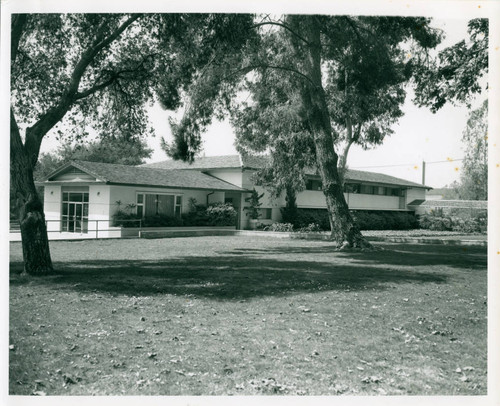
(36, 252)
(345, 231)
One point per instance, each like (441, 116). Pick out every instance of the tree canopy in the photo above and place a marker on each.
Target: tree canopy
(474, 176)
(71, 71)
(457, 75)
(312, 79)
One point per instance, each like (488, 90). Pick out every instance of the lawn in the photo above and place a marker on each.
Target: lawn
(246, 316)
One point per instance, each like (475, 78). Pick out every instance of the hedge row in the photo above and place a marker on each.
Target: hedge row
(367, 220)
(214, 215)
(453, 223)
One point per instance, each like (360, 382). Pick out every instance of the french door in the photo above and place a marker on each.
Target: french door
(75, 211)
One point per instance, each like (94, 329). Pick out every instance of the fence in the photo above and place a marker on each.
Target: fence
(92, 228)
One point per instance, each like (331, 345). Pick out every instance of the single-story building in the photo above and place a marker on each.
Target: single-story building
(82, 197)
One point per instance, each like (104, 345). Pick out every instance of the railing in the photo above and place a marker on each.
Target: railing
(14, 226)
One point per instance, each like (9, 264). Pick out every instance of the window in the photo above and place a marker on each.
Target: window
(351, 188)
(178, 206)
(313, 184)
(139, 206)
(148, 205)
(367, 190)
(266, 214)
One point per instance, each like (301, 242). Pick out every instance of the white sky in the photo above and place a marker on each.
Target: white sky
(419, 136)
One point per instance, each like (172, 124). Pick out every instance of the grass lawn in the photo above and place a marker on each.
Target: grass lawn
(246, 316)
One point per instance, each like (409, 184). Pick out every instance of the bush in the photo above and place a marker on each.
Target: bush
(311, 228)
(279, 227)
(301, 218)
(366, 219)
(218, 214)
(385, 220)
(124, 219)
(465, 224)
(162, 220)
(221, 214)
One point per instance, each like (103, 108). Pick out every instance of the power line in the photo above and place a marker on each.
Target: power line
(392, 166)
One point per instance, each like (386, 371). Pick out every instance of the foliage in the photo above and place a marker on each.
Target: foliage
(123, 218)
(438, 221)
(385, 220)
(305, 217)
(311, 228)
(297, 62)
(279, 227)
(70, 72)
(474, 176)
(217, 215)
(221, 214)
(456, 77)
(366, 219)
(252, 210)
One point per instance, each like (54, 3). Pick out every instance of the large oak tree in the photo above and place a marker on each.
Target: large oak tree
(71, 71)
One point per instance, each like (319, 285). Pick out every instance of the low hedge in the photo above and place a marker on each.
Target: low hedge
(366, 219)
(468, 225)
(219, 214)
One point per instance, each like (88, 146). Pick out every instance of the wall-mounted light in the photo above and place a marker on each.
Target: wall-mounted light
(98, 193)
(51, 192)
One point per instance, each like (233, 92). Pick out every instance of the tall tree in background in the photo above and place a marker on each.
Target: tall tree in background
(474, 176)
(70, 71)
(108, 150)
(303, 48)
(456, 76)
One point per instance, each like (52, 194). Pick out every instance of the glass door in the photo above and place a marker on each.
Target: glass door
(75, 212)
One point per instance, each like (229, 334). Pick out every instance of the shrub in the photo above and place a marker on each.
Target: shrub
(279, 227)
(253, 209)
(289, 214)
(464, 224)
(304, 217)
(221, 214)
(162, 220)
(124, 219)
(385, 220)
(311, 228)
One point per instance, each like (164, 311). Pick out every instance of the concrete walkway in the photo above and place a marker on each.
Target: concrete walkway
(398, 237)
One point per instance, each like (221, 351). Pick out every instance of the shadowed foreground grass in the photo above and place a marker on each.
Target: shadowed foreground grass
(226, 315)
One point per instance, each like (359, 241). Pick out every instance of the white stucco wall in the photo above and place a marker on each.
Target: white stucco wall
(414, 193)
(216, 197)
(52, 207)
(127, 195)
(311, 199)
(233, 176)
(371, 202)
(99, 209)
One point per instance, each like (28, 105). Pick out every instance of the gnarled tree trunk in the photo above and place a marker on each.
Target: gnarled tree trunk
(345, 231)
(36, 252)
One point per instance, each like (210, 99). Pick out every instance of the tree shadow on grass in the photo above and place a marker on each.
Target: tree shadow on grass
(472, 257)
(229, 277)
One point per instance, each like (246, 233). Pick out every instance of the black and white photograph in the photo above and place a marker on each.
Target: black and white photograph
(262, 202)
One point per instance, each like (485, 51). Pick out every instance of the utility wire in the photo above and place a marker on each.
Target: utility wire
(391, 166)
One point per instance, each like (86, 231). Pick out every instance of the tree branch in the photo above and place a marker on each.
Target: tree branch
(57, 112)
(250, 68)
(286, 27)
(18, 23)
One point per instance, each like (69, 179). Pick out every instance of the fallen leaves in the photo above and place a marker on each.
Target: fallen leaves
(371, 379)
